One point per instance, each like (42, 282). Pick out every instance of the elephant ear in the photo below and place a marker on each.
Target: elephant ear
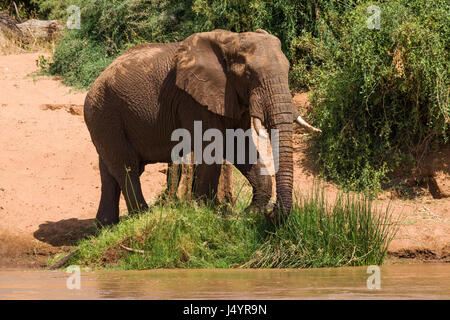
(201, 71)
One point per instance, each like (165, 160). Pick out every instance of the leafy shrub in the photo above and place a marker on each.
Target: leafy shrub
(80, 61)
(52, 9)
(383, 101)
(25, 8)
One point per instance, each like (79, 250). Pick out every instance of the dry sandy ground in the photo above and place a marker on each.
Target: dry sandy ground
(50, 185)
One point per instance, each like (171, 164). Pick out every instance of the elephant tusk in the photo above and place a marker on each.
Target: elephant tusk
(302, 123)
(258, 127)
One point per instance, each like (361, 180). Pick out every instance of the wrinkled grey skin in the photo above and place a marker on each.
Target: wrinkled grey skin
(221, 78)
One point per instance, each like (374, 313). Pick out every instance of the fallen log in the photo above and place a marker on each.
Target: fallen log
(41, 29)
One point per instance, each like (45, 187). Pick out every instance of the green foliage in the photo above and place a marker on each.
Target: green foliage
(186, 235)
(383, 101)
(278, 18)
(80, 61)
(52, 9)
(26, 9)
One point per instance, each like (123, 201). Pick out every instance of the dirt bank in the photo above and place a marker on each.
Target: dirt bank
(50, 184)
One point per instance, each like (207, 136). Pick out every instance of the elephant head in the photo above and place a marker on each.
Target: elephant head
(225, 71)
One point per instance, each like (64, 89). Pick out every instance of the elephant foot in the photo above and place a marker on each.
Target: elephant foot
(143, 207)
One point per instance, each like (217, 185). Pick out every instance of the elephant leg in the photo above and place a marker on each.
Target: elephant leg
(261, 185)
(108, 210)
(132, 192)
(124, 165)
(206, 180)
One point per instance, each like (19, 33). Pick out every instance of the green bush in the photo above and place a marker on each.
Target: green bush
(80, 61)
(383, 100)
(26, 9)
(52, 9)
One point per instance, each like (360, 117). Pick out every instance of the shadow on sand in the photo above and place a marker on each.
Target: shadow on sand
(65, 232)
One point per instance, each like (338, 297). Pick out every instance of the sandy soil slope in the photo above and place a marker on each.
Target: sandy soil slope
(50, 184)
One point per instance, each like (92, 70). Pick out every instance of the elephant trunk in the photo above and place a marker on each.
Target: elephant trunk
(278, 119)
(283, 162)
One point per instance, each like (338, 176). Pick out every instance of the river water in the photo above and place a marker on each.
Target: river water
(419, 281)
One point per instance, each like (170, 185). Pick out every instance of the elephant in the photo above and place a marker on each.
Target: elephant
(224, 79)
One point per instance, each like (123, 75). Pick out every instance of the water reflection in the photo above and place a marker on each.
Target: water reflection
(425, 281)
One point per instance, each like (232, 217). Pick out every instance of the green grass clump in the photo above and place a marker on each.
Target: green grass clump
(180, 235)
(187, 235)
(349, 233)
